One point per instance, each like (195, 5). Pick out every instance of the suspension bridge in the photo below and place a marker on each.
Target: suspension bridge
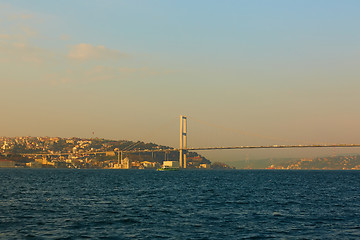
(183, 149)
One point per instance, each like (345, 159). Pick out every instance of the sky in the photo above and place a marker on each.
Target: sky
(243, 72)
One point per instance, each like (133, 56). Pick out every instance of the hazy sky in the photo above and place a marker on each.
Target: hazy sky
(244, 72)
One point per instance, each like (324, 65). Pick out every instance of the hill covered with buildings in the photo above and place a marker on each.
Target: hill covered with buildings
(56, 152)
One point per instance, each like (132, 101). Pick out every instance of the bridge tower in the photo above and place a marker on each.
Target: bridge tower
(183, 145)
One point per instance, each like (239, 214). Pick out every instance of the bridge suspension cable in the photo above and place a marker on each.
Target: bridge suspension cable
(277, 146)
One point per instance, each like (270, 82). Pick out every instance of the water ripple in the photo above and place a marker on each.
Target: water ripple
(69, 204)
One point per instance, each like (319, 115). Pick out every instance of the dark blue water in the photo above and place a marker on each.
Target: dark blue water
(121, 204)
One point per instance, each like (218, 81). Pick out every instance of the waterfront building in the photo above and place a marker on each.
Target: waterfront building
(125, 163)
(6, 163)
(171, 164)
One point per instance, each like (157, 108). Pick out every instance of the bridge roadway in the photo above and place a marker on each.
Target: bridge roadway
(278, 146)
(206, 148)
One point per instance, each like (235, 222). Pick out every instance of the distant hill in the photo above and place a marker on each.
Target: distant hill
(351, 162)
(323, 163)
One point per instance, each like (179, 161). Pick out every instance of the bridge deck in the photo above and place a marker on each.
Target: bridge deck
(210, 148)
(278, 146)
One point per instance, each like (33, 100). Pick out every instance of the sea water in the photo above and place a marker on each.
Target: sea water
(147, 204)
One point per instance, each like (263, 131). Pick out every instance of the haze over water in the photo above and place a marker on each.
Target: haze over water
(263, 72)
(134, 204)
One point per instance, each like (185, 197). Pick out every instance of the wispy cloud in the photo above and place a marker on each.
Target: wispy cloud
(85, 51)
(6, 36)
(80, 64)
(18, 25)
(19, 52)
(121, 72)
(22, 16)
(50, 67)
(28, 31)
(65, 37)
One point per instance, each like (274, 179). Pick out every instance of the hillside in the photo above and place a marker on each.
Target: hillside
(88, 153)
(322, 163)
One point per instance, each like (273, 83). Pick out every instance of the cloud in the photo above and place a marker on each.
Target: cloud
(125, 71)
(19, 52)
(26, 60)
(17, 25)
(5, 36)
(28, 31)
(65, 37)
(38, 64)
(26, 16)
(22, 16)
(84, 51)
